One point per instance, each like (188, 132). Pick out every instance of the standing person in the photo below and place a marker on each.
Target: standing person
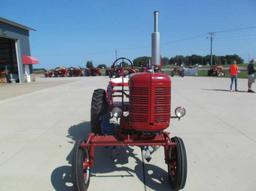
(251, 77)
(233, 71)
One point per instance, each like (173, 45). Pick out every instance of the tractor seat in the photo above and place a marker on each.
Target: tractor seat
(119, 81)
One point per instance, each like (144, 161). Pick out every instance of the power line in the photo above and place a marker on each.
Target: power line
(210, 36)
(203, 34)
(236, 29)
(185, 39)
(237, 37)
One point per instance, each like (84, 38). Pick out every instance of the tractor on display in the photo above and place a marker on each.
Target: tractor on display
(216, 70)
(60, 72)
(134, 110)
(75, 72)
(121, 67)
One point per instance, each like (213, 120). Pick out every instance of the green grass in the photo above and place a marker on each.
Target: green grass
(242, 74)
(202, 73)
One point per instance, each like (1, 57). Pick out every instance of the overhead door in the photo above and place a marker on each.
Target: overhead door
(8, 60)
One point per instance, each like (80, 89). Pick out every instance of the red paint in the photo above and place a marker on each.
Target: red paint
(150, 101)
(93, 141)
(29, 60)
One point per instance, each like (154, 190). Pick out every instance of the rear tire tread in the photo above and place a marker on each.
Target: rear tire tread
(98, 108)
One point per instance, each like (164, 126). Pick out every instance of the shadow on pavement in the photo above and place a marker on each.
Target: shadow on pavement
(224, 90)
(61, 177)
(114, 161)
(156, 178)
(150, 175)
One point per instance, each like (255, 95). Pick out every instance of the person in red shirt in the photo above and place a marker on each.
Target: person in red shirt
(233, 71)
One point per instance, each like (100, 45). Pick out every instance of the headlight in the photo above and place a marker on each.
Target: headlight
(116, 112)
(180, 112)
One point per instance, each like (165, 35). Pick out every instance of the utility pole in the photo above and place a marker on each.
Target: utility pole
(116, 53)
(211, 34)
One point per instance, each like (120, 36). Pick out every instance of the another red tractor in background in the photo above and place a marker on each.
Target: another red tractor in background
(92, 72)
(75, 72)
(216, 70)
(49, 74)
(60, 72)
(134, 110)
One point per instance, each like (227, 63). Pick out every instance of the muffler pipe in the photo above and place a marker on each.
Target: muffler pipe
(156, 60)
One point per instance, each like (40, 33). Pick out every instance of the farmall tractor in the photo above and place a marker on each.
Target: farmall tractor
(121, 67)
(134, 110)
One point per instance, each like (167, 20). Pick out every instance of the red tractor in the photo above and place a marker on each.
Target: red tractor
(216, 70)
(122, 68)
(134, 110)
(95, 72)
(49, 74)
(75, 72)
(60, 72)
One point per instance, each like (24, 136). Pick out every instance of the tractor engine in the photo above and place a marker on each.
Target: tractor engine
(150, 102)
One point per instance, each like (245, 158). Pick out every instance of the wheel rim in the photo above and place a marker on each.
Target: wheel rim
(86, 170)
(177, 164)
(172, 166)
(80, 167)
(86, 175)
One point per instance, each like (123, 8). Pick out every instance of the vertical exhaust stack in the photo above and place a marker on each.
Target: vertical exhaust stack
(155, 42)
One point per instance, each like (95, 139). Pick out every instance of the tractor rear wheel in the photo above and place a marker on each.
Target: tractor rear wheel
(177, 164)
(98, 109)
(80, 173)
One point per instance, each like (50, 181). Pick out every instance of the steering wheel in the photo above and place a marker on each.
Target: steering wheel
(122, 67)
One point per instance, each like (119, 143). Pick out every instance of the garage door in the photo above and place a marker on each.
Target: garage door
(8, 60)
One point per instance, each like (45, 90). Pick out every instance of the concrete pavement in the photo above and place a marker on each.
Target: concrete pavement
(38, 128)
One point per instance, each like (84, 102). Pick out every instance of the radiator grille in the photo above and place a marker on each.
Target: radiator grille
(162, 99)
(162, 118)
(162, 109)
(139, 104)
(162, 104)
(139, 100)
(139, 90)
(149, 108)
(162, 91)
(138, 118)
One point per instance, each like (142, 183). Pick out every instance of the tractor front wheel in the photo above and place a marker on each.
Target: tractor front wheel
(81, 171)
(177, 164)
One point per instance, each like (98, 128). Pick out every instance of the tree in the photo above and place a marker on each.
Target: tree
(238, 59)
(223, 60)
(89, 64)
(177, 60)
(231, 58)
(142, 61)
(196, 59)
(165, 61)
(102, 66)
(172, 61)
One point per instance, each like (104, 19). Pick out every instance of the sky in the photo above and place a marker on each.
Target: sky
(70, 32)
